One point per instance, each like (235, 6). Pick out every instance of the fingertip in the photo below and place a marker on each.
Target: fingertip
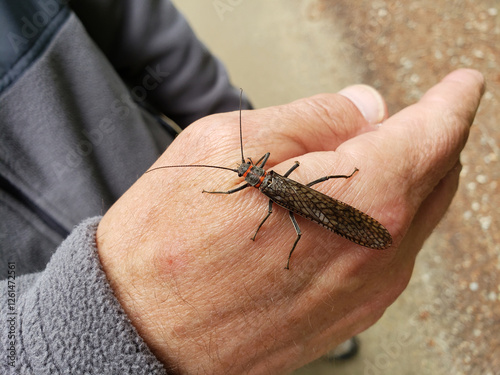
(368, 101)
(465, 76)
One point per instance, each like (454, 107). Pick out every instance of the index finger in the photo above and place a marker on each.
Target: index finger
(425, 139)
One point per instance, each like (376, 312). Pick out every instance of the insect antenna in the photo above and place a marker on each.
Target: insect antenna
(192, 166)
(210, 166)
(241, 133)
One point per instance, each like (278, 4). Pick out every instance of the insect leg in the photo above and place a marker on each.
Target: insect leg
(262, 222)
(299, 233)
(322, 179)
(227, 192)
(263, 160)
(294, 167)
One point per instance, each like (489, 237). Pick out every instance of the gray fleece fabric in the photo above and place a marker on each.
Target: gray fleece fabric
(67, 319)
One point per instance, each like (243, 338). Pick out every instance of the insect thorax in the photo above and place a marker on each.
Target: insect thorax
(253, 175)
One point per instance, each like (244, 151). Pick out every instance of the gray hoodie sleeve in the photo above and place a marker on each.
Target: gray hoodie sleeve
(66, 320)
(154, 49)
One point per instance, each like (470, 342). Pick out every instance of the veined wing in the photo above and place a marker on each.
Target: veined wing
(331, 213)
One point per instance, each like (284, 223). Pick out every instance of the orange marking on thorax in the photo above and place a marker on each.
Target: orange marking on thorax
(260, 179)
(247, 172)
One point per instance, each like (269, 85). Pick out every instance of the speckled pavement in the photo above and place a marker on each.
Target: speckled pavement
(448, 319)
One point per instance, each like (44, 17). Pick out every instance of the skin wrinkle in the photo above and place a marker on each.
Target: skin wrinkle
(332, 121)
(423, 189)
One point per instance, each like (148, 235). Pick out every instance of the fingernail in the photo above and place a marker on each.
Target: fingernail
(368, 101)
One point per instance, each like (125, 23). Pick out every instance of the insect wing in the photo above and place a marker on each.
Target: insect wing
(331, 213)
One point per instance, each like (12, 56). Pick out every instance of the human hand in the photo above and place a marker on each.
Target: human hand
(207, 299)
